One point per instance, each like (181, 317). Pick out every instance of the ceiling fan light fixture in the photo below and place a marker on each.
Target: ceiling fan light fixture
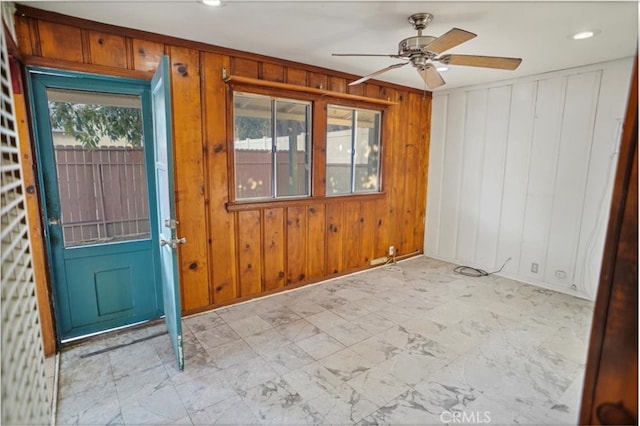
(582, 35)
(212, 2)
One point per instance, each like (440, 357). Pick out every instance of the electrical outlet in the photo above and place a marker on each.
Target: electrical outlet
(534, 268)
(561, 274)
(392, 251)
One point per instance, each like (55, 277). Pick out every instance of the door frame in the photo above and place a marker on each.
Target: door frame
(42, 78)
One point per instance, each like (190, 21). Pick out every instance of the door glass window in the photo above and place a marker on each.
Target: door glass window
(100, 166)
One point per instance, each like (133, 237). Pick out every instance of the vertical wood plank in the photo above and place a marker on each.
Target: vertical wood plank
(296, 244)
(384, 212)
(189, 178)
(36, 234)
(319, 143)
(222, 241)
(272, 72)
(396, 190)
(335, 232)
(24, 35)
(244, 67)
(249, 256)
(316, 237)
(367, 232)
(410, 209)
(351, 242)
(337, 84)
(319, 81)
(146, 54)
(296, 76)
(108, 49)
(358, 89)
(273, 249)
(60, 41)
(424, 109)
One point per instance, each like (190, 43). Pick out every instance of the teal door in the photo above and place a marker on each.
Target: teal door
(94, 138)
(167, 224)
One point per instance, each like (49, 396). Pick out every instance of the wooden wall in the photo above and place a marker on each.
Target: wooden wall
(236, 254)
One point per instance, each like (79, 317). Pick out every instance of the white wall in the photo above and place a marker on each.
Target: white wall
(524, 169)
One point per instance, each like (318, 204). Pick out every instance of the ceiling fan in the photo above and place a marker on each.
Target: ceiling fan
(421, 50)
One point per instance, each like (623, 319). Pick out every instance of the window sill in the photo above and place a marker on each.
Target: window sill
(243, 206)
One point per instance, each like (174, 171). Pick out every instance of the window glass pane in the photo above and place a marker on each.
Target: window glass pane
(338, 153)
(100, 167)
(367, 155)
(292, 148)
(252, 146)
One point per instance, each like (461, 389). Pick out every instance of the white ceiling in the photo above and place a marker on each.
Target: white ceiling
(309, 31)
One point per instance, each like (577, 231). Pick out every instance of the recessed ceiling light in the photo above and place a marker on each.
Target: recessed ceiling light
(583, 35)
(212, 2)
(442, 68)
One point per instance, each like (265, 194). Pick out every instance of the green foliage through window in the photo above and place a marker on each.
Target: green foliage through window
(89, 124)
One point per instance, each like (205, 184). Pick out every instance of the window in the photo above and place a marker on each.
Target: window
(271, 147)
(353, 150)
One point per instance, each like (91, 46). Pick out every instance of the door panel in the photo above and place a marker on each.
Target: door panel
(96, 155)
(167, 225)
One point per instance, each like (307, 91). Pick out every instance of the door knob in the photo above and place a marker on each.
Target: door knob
(172, 242)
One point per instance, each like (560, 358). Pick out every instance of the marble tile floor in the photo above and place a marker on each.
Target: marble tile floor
(415, 344)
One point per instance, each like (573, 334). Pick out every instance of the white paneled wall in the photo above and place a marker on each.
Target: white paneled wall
(524, 169)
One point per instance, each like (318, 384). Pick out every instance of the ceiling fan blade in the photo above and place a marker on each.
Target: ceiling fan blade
(481, 61)
(383, 70)
(431, 77)
(366, 54)
(452, 38)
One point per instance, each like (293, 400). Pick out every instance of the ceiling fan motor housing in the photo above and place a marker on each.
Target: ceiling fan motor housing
(415, 45)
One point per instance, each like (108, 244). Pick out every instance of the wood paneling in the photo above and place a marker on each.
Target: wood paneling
(273, 72)
(236, 251)
(296, 244)
(297, 77)
(59, 41)
(273, 249)
(334, 230)
(146, 54)
(189, 175)
(351, 241)
(107, 49)
(249, 253)
(244, 67)
(367, 232)
(222, 235)
(316, 232)
(38, 254)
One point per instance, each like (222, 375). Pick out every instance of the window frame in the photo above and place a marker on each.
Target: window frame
(273, 100)
(353, 141)
(319, 99)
